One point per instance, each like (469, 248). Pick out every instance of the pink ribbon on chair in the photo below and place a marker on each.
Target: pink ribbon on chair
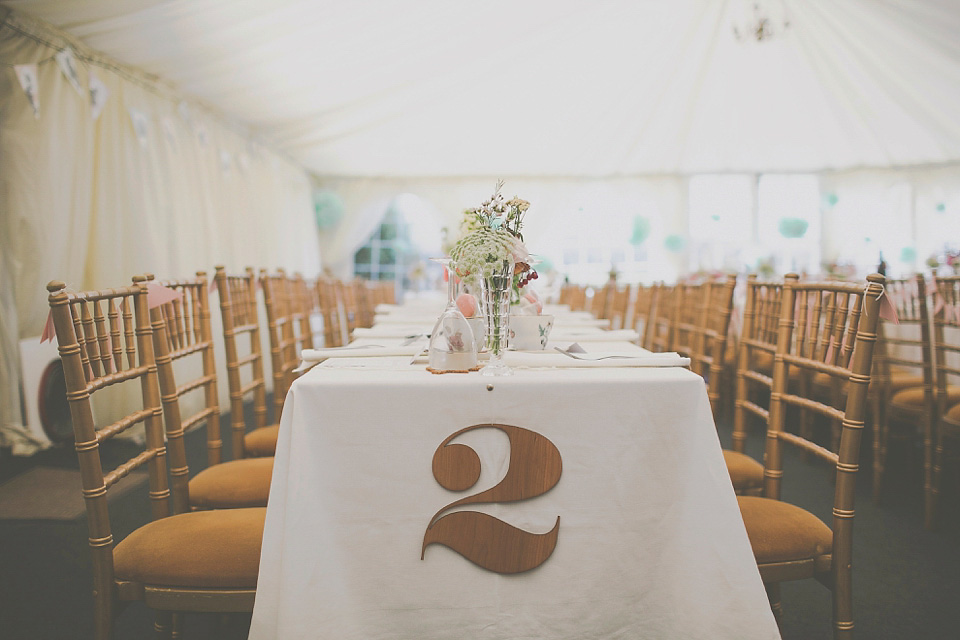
(49, 331)
(158, 294)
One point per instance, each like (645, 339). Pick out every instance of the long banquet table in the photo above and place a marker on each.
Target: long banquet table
(649, 544)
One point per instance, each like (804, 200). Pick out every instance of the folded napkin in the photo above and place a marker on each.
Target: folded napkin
(551, 359)
(561, 334)
(310, 357)
(393, 330)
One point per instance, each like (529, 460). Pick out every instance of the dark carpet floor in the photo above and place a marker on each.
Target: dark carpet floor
(907, 580)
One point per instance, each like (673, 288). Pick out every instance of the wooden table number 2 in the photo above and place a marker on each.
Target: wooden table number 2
(489, 542)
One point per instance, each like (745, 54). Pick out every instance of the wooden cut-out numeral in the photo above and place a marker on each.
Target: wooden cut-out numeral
(535, 467)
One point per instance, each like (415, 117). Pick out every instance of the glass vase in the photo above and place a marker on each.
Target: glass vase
(495, 289)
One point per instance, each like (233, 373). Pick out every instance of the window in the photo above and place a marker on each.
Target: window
(788, 222)
(407, 235)
(721, 221)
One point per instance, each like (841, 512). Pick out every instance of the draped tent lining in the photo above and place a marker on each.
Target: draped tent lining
(430, 89)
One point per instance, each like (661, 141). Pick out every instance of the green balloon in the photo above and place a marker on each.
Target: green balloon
(641, 230)
(328, 208)
(674, 243)
(908, 254)
(832, 199)
(793, 227)
(941, 207)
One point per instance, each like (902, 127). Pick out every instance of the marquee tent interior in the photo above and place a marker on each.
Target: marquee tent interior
(655, 140)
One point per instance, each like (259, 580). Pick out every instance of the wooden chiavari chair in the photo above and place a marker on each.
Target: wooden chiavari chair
(288, 329)
(199, 561)
(578, 298)
(902, 392)
(330, 310)
(662, 318)
(617, 307)
(946, 326)
(599, 304)
(709, 335)
(181, 333)
(238, 308)
(690, 304)
(365, 305)
(757, 345)
(347, 295)
(838, 339)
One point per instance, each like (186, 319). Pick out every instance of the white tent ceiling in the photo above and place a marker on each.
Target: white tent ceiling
(601, 88)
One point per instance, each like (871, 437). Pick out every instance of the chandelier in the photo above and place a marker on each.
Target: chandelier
(764, 21)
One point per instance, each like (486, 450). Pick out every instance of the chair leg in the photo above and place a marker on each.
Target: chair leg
(880, 435)
(176, 627)
(163, 624)
(933, 473)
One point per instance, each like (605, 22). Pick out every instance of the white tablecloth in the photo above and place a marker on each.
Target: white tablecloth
(650, 545)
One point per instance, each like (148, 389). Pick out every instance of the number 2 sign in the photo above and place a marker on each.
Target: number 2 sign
(489, 542)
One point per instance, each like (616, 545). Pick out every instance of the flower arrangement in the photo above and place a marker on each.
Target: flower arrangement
(492, 257)
(492, 233)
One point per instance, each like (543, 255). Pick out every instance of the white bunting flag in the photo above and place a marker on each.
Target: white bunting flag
(166, 123)
(140, 126)
(201, 130)
(27, 75)
(68, 65)
(98, 95)
(225, 161)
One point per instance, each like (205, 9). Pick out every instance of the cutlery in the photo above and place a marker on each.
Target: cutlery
(577, 356)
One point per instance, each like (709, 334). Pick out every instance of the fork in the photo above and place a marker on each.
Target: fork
(587, 358)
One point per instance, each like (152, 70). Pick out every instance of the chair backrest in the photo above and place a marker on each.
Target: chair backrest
(946, 340)
(365, 304)
(709, 335)
(756, 348)
(689, 306)
(105, 339)
(599, 304)
(330, 310)
(831, 328)
(907, 345)
(662, 318)
(347, 295)
(238, 308)
(619, 301)
(288, 329)
(182, 334)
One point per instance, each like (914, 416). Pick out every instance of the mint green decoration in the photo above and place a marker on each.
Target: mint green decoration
(831, 199)
(908, 254)
(641, 230)
(674, 243)
(941, 207)
(715, 217)
(793, 227)
(328, 208)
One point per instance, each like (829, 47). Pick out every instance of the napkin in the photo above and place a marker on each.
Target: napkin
(310, 357)
(561, 334)
(553, 359)
(392, 330)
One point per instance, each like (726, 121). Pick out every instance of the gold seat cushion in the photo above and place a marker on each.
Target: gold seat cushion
(745, 472)
(900, 381)
(913, 397)
(231, 485)
(200, 549)
(262, 442)
(953, 414)
(781, 532)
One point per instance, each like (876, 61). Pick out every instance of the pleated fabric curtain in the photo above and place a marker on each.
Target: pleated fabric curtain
(89, 201)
